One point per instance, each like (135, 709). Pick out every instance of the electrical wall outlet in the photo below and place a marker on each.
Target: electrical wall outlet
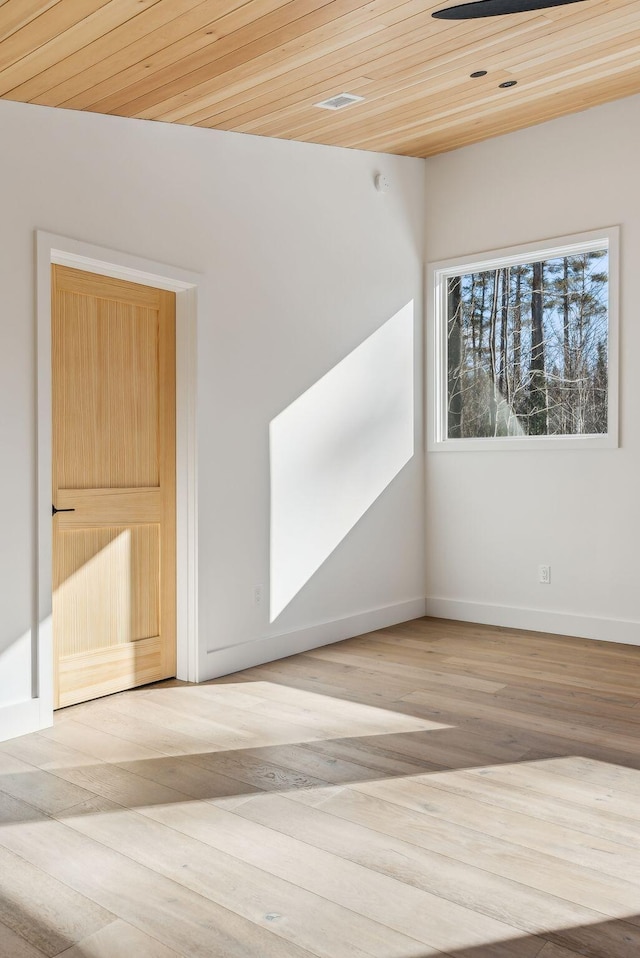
(544, 574)
(258, 593)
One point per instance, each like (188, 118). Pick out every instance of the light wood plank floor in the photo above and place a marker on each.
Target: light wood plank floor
(430, 789)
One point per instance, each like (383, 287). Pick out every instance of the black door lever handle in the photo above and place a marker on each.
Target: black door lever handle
(54, 510)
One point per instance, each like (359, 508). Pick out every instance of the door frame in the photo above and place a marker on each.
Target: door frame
(64, 251)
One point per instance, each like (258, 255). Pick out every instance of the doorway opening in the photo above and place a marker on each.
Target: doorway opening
(59, 251)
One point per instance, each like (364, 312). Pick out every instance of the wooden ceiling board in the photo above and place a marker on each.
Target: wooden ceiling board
(471, 131)
(446, 105)
(112, 53)
(18, 13)
(166, 32)
(322, 74)
(469, 127)
(449, 73)
(452, 75)
(327, 29)
(260, 66)
(181, 66)
(451, 99)
(287, 96)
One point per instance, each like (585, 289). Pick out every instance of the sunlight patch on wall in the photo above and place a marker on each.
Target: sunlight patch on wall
(335, 449)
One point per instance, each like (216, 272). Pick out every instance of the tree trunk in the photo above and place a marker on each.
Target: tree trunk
(517, 334)
(454, 356)
(538, 394)
(566, 351)
(493, 316)
(503, 382)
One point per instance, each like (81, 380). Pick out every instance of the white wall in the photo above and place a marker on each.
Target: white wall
(493, 517)
(301, 261)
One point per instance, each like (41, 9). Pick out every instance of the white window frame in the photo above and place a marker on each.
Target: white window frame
(437, 385)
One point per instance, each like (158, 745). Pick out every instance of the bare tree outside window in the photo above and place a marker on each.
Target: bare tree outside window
(527, 348)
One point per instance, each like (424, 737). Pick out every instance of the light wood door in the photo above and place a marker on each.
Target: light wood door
(114, 566)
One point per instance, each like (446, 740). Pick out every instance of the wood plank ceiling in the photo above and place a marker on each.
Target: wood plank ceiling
(260, 66)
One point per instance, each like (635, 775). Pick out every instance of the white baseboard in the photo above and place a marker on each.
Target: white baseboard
(235, 658)
(22, 718)
(625, 631)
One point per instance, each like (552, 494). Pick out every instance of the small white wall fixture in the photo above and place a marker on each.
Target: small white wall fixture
(36, 713)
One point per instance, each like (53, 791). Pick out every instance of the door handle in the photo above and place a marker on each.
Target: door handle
(54, 510)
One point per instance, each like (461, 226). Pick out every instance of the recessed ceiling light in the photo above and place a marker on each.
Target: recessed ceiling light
(507, 83)
(478, 73)
(495, 8)
(339, 102)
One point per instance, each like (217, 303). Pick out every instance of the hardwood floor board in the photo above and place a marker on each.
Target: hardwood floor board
(44, 752)
(628, 682)
(297, 715)
(580, 881)
(296, 699)
(218, 733)
(533, 911)
(97, 744)
(449, 748)
(606, 774)
(190, 777)
(500, 670)
(381, 685)
(442, 708)
(434, 921)
(536, 804)
(43, 911)
(289, 912)
(437, 634)
(121, 786)
(74, 712)
(375, 648)
(534, 779)
(332, 682)
(15, 946)
(394, 752)
(39, 788)
(163, 739)
(240, 728)
(430, 789)
(119, 938)
(432, 654)
(320, 764)
(251, 769)
(360, 752)
(555, 951)
(539, 745)
(325, 716)
(571, 699)
(589, 714)
(615, 678)
(181, 919)
(541, 828)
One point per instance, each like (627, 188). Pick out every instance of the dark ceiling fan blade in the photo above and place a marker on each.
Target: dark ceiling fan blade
(495, 8)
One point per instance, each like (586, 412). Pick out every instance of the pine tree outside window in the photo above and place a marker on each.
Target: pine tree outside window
(523, 346)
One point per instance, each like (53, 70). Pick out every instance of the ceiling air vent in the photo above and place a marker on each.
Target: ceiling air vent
(339, 102)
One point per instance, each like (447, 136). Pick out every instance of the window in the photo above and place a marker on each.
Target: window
(524, 346)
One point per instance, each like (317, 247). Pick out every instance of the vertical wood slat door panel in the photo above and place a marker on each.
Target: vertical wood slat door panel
(114, 599)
